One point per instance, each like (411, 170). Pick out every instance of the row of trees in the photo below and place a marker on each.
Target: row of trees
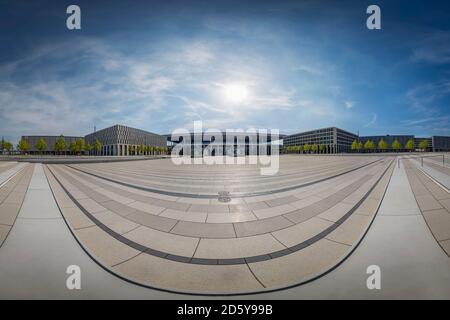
(306, 148)
(359, 146)
(369, 145)
(80, 145)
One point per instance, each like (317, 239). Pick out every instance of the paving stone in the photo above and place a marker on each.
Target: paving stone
(152, 221)
(445, 203)
(118, 208)
(115, 222)
(8, 213)
(300, 265)
(185, 216)
(230, 217)
(204, 230)
(165, 273)
(446, 246)
(336, 212)
(439, 222)
(245, 229)
(4, 230)
(149, 208)
(163, 241)
(91, 206)
(237, 247)
(427, 202)
(109, 250)
(350, 230)
(76, 218)
(301, 232)
(273, 211)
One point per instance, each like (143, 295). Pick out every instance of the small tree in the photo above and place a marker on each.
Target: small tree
(382, 145)
(41, 145)
(306, 147)
(8, 146)
(23, 145)
(314, 148)
(423, 145)
(369, 145)
(396, 145)
(73, 147)
(355, 145)
(97, 146)
(322, 148)
(88, 147)
(360, 146)
(60, 145)
(410, 145)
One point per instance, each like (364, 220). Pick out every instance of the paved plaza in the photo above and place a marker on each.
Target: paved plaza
(149, 228)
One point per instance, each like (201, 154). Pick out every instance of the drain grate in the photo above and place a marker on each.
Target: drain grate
(224, 196)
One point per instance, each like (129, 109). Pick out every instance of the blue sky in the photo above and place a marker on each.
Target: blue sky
(161, 65)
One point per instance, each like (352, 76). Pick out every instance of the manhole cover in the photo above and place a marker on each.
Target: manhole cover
(224, 196)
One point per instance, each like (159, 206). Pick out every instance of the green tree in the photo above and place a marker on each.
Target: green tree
(306, 147)
(382, 145)
(60, 144)
(423, 145)
(23, 145)
(73, 147)
(88, 147)
(41, 145)
(322, 148)
(355, 145)
(97, 146)
(80, 144)
(369, 145)
(410, 145)
(8, 146)
(360, 145)
(396, 145)
(314, 148)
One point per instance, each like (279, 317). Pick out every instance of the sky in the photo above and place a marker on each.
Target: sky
(287, 65)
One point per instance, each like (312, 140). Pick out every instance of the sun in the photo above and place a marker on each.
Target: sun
(236, 93)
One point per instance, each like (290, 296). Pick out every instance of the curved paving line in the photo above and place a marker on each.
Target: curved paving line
(213, 196)
(232, 261)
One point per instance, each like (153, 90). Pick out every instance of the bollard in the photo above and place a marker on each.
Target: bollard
(422, 161)
(443, 160)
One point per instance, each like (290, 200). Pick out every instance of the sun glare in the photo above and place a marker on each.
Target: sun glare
(236, 93)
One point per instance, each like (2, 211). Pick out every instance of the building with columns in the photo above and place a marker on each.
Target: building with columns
(120, 140)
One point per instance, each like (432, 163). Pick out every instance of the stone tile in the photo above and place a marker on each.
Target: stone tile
(185, 216)
(76, 218)
(446, 246)
(152, 221)
(230, 217)
(305, 202)
(204, 230)
(351, 230)
(304, 214)
(15, 197)
(300, 265)
(281, 201)
(118, 208)
(152, 209)
(8, 213)
(301, 232)
(208, 208)
(174, 275)
(115, 222)
(107, 249)
(273, 211)
(368, 207)
(163, 241)
(336, 212)
(445, 203)
(439, 222)
(237, 247)
(427, 202)
(4, 230)
(256, 205)
(245, 229)
(91, 206)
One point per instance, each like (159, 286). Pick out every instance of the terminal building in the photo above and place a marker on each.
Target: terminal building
(235, 143)
(120, 140)
(335, 140)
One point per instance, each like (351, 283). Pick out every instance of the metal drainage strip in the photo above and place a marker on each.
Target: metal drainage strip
(224, 196)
